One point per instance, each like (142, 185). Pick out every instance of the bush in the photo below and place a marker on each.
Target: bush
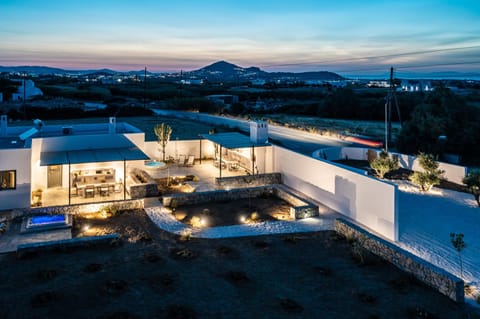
(384, 164)
(430, 176)
(472, 180)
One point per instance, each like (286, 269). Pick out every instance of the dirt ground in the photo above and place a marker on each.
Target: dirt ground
(153, 274)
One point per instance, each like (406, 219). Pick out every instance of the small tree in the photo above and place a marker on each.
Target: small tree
(459, 244)
(431, 174)
(472, 180)
(384, 164)
(163, 132)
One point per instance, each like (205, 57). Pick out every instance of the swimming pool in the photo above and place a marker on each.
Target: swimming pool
(47, 219)
(154, 164)
(44, 222)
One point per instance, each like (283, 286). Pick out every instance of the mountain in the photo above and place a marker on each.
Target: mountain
(225, 71)
(46, 70)
(33, 69)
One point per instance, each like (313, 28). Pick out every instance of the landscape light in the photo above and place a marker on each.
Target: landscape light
(243, 219)
(86, 227)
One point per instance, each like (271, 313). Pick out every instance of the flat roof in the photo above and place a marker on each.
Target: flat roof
(92, 156)
(232, 140)
(69, 129)
(11, 142)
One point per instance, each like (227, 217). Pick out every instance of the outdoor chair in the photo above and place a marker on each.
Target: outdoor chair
(190, 160)
(181, 160)
(104, 191)
(89, 191)
(118, 187)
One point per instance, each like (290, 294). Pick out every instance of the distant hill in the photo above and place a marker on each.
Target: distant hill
(46, 70)
(32, 69)
(226, 71)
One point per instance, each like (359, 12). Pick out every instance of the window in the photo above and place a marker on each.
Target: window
(8, 180)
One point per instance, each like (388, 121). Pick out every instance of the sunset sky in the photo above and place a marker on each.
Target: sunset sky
(303, 35)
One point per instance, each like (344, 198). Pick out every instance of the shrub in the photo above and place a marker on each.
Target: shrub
(472, 180)
(384, 164)
(431, 174)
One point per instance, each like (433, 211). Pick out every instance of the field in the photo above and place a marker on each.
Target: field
(374, 129)
(153, 274)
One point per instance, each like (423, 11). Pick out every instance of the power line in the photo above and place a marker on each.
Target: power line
(403, 54)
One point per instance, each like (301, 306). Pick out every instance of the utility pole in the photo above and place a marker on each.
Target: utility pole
(391, 98)
(145, 88)
(24, 95)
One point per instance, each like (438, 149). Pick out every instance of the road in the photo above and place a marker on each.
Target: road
(295, 140)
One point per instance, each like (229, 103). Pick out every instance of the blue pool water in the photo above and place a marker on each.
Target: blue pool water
(47, 219)
(154, 164)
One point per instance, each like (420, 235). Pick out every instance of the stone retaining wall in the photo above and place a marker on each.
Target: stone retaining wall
(248, 180)
(142, 187)
(175, 200)
(443, 281)
(300, 208)
(76, 209)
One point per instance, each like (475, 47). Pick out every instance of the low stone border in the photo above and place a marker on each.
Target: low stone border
(77, 209)
(435, 277)
(74, 242)
(301, 208)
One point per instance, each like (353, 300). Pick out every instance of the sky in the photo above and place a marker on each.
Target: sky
(343, 36)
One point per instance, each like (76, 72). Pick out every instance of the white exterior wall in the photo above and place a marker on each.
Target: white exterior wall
(174, 148)
(19, 160)
(367, 200)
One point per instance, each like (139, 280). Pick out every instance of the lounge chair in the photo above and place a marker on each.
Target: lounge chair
(181, 160)
(190, 160)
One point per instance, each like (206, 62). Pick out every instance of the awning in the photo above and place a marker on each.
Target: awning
(92, 156)
(232, 140)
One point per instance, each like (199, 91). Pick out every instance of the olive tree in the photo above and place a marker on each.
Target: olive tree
(163, 132)
(459, 244)
(431, 174)
(384, 164)
(472, 180)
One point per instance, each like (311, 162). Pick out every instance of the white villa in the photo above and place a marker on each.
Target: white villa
(76, 164)
(91, 165)
(43, 166)
(27, 91)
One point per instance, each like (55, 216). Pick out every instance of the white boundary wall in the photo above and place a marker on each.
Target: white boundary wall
(366, 200)
(453, 173)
